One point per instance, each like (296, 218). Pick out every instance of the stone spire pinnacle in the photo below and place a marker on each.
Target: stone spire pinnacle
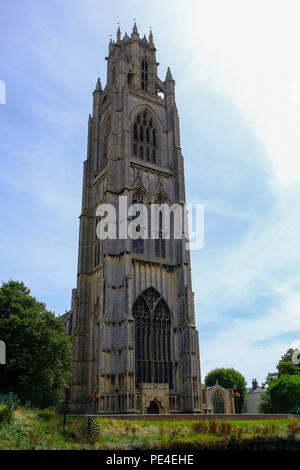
(134, 34)
(169, 75)
(134, 29)
(98, 85)
(118, 33)
(150, 37)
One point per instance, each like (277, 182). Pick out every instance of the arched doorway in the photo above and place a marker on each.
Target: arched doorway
(218, 402)
(152, 408)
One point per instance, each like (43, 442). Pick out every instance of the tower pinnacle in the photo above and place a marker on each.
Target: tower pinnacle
(118, 33)
(169, 75)
(151, 37)
(135, 34)
(98, 85)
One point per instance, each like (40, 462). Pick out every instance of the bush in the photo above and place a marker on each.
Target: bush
(48, 414)
(7, 413)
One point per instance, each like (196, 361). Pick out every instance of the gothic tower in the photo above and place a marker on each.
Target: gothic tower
(132, 315)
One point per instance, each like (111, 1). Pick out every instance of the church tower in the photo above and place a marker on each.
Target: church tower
(132, 316)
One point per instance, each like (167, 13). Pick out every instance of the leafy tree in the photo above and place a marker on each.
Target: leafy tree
(271, 377)
(38, 348)
(227, 378)
(282, 396)
(284, 367)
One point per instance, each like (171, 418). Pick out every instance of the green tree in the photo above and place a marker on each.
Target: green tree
(284, 367)
(282, 396)
(227, 378)
(271, 377)
(39, 351)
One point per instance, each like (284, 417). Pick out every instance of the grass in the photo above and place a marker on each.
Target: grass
(33, 429)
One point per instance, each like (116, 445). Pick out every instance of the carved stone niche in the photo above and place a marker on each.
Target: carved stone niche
(154, 398)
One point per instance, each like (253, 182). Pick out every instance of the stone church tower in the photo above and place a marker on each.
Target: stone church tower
(132, 316)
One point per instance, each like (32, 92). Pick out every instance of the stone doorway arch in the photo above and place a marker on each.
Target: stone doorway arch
(155, 398)
(153, 408)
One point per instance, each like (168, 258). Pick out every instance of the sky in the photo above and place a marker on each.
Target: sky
(237, 71)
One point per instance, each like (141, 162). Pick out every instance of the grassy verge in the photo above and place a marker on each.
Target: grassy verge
(33, 429)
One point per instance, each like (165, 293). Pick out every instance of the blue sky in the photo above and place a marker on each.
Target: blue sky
(237, 71)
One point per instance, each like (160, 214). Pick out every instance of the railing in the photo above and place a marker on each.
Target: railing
(4, 397)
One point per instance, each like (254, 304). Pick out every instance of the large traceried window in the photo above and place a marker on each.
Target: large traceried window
(218, 402)
(145, 138)
(152, 339)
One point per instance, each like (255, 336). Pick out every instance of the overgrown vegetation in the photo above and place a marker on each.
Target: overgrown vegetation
(35, 429)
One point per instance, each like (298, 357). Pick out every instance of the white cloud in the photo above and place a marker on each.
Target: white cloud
(235, 346)
(249, 51)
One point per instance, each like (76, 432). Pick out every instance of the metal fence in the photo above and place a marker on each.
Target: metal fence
(33, 397)
(4, 397)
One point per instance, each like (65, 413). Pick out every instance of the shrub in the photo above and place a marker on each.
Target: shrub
(200, 426)
(7, 413)
(161, 430)
(47, 415)
(133, 431)
(173, 432)
(225, 429)
(33, 438)
(213, 427)
(294, 428)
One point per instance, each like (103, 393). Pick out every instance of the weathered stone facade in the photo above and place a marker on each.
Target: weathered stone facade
(132, 316)
(218, 400)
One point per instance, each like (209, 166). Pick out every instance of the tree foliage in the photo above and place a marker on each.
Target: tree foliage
(38, 349)
(286, 366)
(282, 395)
(227, 378)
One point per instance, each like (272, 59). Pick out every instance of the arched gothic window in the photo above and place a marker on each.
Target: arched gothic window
(105, 143)
(152, 339)
(218, 402)
(144, 75)
(145, 138)
(138, 244)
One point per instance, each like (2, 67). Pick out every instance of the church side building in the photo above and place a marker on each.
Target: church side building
(132, 315)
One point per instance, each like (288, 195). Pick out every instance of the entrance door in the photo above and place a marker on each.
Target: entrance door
(152, 408)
